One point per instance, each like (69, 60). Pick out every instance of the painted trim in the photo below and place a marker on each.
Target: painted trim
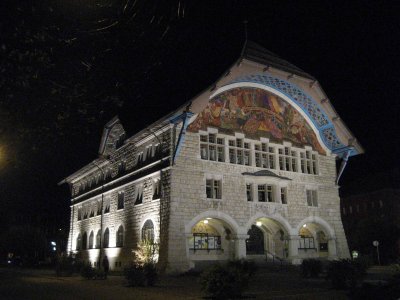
(322, 126)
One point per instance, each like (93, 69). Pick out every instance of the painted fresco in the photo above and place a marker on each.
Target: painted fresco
(256, 113)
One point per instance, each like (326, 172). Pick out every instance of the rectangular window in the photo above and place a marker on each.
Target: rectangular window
(139, 195)
(157, 189)
(284, 195)
(204, 241)
(264, 156)
(212, 148)
(213, 189)
(79, 214)
(270, 197)
(249, 192)
(312, 199)
(261, 193)
(121, 200)
(106, 206)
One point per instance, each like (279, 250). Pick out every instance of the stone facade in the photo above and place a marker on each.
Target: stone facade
(245, 170)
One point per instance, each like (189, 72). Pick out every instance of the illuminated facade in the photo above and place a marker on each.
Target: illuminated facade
(246, 169)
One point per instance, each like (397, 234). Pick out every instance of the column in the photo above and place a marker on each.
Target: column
(294, 249)
(240, 243)
(332, 251)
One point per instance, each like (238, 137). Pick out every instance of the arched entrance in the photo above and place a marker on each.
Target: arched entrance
(313, 241)
(267, 237)
(210, 237)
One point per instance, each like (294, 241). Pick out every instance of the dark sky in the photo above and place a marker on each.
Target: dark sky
(67, 67)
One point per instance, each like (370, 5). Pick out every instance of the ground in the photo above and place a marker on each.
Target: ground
(266, 284)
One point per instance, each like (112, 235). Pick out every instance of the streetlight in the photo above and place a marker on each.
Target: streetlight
(376, 244)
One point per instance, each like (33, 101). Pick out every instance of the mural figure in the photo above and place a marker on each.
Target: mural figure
(256, 113)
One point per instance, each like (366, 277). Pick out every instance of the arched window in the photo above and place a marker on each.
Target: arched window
(91, 237)
(78, 242)
(98, 238)
(120, 236)
(84, 241)
(148, 231)
(106, 238)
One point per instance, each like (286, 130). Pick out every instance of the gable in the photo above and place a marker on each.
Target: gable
(256, 113)
(112, 138)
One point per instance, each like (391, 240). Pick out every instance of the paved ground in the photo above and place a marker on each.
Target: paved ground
(43, 285)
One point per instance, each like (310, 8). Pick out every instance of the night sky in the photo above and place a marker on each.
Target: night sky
(68, 67)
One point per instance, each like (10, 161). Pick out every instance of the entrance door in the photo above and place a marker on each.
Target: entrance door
(255, 242)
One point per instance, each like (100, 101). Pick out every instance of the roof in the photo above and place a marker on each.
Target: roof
(255, 52)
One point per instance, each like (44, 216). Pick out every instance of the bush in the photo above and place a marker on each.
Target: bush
(67, 265)
(311, 268)
(88, 272)
(150, 273)
(134, 275)
(138, 275)
(226, 282)
(345, 273)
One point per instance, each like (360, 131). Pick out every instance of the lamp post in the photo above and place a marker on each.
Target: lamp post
(102, 212)
(376, 244)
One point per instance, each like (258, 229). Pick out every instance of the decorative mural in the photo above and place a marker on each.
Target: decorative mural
(256, 113)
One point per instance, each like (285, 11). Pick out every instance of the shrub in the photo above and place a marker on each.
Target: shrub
(150, 274)
(135, 275)
(88, 272)
(345, 273)
(226, 282)
(311, 268)
(67, 265)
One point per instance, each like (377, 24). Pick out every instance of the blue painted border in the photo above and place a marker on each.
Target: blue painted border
(311, 108)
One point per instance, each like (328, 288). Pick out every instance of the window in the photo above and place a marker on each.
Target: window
(239, 152)
(264, 156)
(92, 209)
(99, 208)
(121, 200)
(344, 210)
(139, 159)
(91, 238)
(139, 195)
(157, 189)
(120, 237)
(249, 192)
(148, 231)
(121, 167)
(79, 213)
(204, 241)
(306, 242)
(350, 209)
(212, 148)
(106, 238)
(308, 162)
(287, 159)
(213, 189)
(85, 212)
(312, 199)
(269, 193)
(261, 193)
(284, 195)
(78, 242)
(98, 238)
(107, 206)
(84, 241)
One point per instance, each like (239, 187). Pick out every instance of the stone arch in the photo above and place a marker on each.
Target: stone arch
(276, 217)
(217, 215)
(319, 221)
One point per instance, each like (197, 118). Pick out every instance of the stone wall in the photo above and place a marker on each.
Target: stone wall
(188, 199)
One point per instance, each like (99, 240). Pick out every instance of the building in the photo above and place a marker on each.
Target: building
(246, 169)
(373, 213)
